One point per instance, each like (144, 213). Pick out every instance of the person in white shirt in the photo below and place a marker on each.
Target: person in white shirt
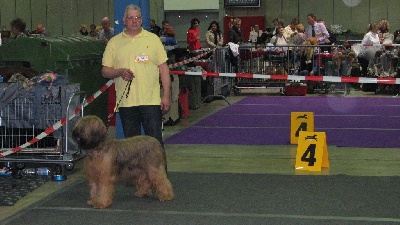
(366, 56)
(290, 31)
(279, 40)
(255, 35)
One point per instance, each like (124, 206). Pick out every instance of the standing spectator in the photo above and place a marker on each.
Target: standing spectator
(93, 33)
(332, 37)
(234, 39)
(137, 61)
(235, 33)
(193, 40)
(300, 37)
(18, 28)
(83, 31)
(214, 36)
(317, 30)
(193, 35)
(154, 28)
(107, 32)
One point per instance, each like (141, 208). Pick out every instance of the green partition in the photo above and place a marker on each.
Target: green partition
(76, 57)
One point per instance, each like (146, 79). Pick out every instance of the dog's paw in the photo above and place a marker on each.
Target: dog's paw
(166, 197)
(90, 202)
(100, 206)
(143, 194)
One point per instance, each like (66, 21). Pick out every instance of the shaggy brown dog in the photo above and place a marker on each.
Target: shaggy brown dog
(137, 160)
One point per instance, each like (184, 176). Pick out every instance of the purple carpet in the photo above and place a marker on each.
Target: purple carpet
(347, 122)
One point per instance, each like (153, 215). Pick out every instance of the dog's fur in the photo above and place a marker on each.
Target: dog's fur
(137, 161)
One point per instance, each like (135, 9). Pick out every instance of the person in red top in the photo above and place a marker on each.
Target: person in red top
(193, 35)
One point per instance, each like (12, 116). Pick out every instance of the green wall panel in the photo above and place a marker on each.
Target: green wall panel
(7, 11)
(55, 14)
(70, 20)
(24, 11)
(360, 17)
(342, 15)
(85, 14)
(39, 14)
(289, 10)
(102, 8)
(394, 15)
(273, 10)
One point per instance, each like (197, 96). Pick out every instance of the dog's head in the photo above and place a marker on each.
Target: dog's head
(312, 40)
(89, 131)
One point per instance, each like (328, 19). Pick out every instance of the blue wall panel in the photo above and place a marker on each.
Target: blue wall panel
(119, 11)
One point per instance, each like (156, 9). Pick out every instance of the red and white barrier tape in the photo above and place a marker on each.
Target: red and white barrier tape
(60, 123)
(186, 61)
(370, 80)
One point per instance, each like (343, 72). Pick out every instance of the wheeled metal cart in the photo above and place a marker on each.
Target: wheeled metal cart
(27, 113)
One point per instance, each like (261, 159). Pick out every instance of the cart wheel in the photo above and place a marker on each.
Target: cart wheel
(58, 174)
(69, 166)
(20, 165)
(58, 169)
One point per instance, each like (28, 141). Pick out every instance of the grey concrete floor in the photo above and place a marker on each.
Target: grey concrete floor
(241, 159)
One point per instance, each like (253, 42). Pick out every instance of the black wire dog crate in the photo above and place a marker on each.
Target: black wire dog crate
(26, 113)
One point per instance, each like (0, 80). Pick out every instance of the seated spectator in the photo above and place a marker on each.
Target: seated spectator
(396, 37)
(269, 34)
(165, 24)
(170, 36)
(154, 28)
(366, 56)
(93, 33)
(290, 30)
(107, 32)
(256, 35)
(279, 40)
(83, 31)
(41, 30)
(383, 31)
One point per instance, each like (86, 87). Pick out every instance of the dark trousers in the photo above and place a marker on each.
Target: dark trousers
(149, 117)
(364, 66)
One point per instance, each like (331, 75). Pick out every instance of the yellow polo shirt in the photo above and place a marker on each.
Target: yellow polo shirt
(142, 55)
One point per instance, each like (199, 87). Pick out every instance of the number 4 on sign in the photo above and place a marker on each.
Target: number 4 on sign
(312, 151)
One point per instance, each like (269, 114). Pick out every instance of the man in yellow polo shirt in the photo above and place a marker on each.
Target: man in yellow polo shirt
(136, 60)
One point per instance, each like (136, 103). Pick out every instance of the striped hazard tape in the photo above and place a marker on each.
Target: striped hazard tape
(59, 123)
(62, 122)
(344, 79)
(186, 61)
(48, 131)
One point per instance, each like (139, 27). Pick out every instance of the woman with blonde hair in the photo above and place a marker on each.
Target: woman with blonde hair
(83, 31)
